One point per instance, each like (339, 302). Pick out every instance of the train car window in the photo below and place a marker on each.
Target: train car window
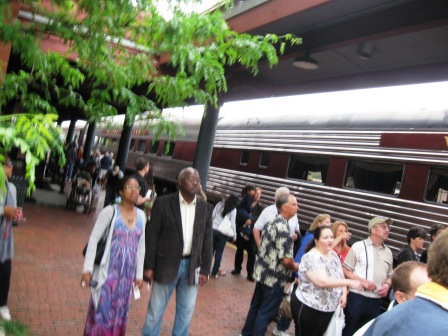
(106, 142)
(264, 159)
(132, 145)
(308, 168)
(376, 176)
(437, 188)
(141, 145)
(245, 155)
(168, 149)
(154, 147)
(113, 143)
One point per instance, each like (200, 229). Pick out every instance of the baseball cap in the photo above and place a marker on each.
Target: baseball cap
(377, 220)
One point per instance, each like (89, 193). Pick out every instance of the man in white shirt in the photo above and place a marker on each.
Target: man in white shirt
(178, 253)
(269, 213)
(369, 261)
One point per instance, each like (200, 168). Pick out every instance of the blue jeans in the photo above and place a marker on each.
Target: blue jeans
(70, 171)
(185, 302)
(219, 243)
(263, 308)
(359, 311)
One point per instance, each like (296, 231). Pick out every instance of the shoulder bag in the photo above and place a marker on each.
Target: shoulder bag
(101, 243)
(225, 227)
(285, 306)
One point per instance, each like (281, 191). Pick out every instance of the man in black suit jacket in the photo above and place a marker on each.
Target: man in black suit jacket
(178, 253)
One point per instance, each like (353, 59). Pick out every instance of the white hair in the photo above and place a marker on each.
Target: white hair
(281, 191)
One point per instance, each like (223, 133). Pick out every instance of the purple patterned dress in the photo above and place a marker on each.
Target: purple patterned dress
(111, 315)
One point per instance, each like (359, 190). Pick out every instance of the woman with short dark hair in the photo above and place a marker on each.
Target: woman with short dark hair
(416, 239)
(322, 286)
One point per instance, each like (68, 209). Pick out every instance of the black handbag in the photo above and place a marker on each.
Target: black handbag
(101, 243)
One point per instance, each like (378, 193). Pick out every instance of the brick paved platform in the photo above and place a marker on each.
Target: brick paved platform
(45, 292)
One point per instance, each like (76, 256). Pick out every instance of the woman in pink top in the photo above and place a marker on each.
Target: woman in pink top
(341, 235)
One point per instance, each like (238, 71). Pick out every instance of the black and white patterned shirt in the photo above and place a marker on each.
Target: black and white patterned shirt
(275, 245)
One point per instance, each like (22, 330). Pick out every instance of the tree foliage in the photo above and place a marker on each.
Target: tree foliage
(124, 55)
(34, 135)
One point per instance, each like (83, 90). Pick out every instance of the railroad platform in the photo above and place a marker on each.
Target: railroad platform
(46, 296)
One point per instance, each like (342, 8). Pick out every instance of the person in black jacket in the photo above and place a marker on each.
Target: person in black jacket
(433, 233)
(247, 215)
(142, 167)
(110, 181)
(416, 239)
(178, 253)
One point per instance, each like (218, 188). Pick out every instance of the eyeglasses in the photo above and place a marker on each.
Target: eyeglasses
(129, 187)
(8, 163)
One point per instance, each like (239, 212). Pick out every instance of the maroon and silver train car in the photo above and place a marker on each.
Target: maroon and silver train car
(352, 154)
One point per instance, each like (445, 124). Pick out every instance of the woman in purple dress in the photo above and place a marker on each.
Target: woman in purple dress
(120, 271)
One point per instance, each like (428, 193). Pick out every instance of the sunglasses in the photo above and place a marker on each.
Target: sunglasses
(8, 163)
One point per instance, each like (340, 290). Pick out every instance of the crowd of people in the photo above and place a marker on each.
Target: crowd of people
(184, 235)
(176, 243)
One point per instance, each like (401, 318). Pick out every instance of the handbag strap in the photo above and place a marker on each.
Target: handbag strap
(106, 233)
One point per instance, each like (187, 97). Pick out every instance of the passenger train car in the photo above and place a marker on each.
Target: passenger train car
(352, 154)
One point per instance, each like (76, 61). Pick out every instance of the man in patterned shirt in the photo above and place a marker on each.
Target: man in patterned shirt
(273, 267)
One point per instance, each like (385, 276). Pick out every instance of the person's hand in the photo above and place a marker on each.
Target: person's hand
(203, 279)
(343, 300)
(295, 236)
(383, 290)
(347, 236)
(248, 222)
(138, 283)
(359, 285)
(85, 279)
(11, 212)
(368, 285)
(148, 276)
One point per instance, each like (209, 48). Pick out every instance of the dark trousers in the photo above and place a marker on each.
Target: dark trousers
(5, 279)
(308, 321)
(263, 308)
(219, 243)
(110, 195)
(359, 311)
(249, 246)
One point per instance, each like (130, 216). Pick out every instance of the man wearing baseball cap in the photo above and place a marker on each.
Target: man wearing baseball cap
(371, 262)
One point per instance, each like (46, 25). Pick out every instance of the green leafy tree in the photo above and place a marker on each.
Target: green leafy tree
(122, 55)
(34, 135)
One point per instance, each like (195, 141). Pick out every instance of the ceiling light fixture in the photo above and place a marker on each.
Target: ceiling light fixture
(306, 62)
(365, 50)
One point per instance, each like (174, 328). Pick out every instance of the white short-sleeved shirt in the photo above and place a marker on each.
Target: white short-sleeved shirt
(369, 262)
(322, 299)
(269, 213)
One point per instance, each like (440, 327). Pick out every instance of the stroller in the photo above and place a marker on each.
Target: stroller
(81, 194)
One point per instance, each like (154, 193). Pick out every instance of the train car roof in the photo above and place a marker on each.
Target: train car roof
(403, 107)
